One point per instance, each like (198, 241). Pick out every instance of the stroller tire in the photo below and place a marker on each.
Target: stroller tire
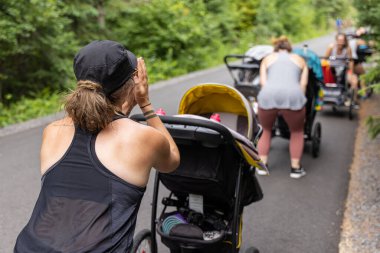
(252, 250)
(142, 243)
(316, 139)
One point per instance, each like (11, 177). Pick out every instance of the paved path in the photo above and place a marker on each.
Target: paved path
(294, 216)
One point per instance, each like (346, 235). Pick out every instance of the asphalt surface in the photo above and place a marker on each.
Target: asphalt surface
(295, 215)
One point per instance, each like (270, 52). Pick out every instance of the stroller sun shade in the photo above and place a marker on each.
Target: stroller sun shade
(206, 99)
(211, 98)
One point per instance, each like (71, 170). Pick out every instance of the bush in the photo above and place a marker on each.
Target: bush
(38, 39)
(43, 104)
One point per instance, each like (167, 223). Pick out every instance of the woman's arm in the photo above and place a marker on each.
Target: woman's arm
(304, 77)
(351, 64)
(263, 71)
(166, 153)
(329, 50)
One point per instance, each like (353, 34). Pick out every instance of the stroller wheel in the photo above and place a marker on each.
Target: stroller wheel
(252, 250)
(316, 139)
(142, 243)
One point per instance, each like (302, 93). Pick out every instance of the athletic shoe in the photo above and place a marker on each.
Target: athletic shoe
(262, 172)
(297, 173)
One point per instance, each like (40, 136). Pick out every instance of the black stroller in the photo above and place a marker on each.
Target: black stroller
(215, 180)
(249, 85)
(246, 73)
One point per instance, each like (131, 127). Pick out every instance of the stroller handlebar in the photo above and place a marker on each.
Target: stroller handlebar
(245, 65)
(197, 132)
(335, 58)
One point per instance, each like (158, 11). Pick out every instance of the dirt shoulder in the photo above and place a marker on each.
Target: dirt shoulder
(361, 222)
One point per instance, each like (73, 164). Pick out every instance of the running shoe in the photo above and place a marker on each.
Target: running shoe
(297, 173)
(262, 172)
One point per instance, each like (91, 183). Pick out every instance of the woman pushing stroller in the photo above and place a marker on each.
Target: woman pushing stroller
(339, 53)
(283, 77)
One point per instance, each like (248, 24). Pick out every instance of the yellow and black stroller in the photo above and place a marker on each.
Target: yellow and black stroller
(216, 178)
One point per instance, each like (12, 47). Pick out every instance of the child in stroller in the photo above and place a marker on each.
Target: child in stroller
(216, 177)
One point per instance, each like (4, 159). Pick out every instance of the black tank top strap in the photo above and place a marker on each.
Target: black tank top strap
(119, 115)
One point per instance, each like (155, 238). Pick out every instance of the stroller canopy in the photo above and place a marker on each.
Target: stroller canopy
(205, 99)
(259, 52)
(218, 98)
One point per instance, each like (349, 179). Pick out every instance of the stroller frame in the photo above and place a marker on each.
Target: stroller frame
(249, 66)
(218, 134)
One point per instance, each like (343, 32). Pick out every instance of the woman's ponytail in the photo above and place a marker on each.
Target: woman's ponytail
(89, 107)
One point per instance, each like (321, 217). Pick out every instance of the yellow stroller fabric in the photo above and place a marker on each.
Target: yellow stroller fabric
(211, 98)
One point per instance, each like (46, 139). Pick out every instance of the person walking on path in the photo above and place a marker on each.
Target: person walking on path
(283, 77)
(95, 162)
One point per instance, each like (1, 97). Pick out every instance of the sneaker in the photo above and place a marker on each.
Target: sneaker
(262, 172)
(297, 173)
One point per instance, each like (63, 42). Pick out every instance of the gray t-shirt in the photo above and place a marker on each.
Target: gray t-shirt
(282, 89)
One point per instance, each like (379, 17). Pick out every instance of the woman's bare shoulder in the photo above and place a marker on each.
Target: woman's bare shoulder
(133, 130)
(128, 133)
(298, 60)
(64, 124)
(271, 58)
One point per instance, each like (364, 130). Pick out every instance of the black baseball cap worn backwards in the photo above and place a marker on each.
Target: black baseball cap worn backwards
(105, 62)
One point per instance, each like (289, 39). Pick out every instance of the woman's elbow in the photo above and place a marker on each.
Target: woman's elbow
(174, 163)
(170, 164)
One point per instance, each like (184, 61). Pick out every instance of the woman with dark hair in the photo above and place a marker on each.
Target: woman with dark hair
(283, 78)
(339, 53)
(95, 162)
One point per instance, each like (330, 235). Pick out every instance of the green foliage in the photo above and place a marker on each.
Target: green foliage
(180, 33)
(38, 39)
(298, 19)
(44, 103)
(35, 47)
(369, 15)
(373, 124)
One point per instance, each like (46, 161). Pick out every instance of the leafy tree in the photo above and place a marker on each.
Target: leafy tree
(369, 15)
(38, 39)
(35, 47)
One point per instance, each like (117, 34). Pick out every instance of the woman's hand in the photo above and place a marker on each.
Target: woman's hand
(141, 83)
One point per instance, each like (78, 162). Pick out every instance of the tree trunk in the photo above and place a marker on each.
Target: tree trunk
(101, 14)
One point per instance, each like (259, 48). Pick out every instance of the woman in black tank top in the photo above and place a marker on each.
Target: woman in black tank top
(94, 162)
